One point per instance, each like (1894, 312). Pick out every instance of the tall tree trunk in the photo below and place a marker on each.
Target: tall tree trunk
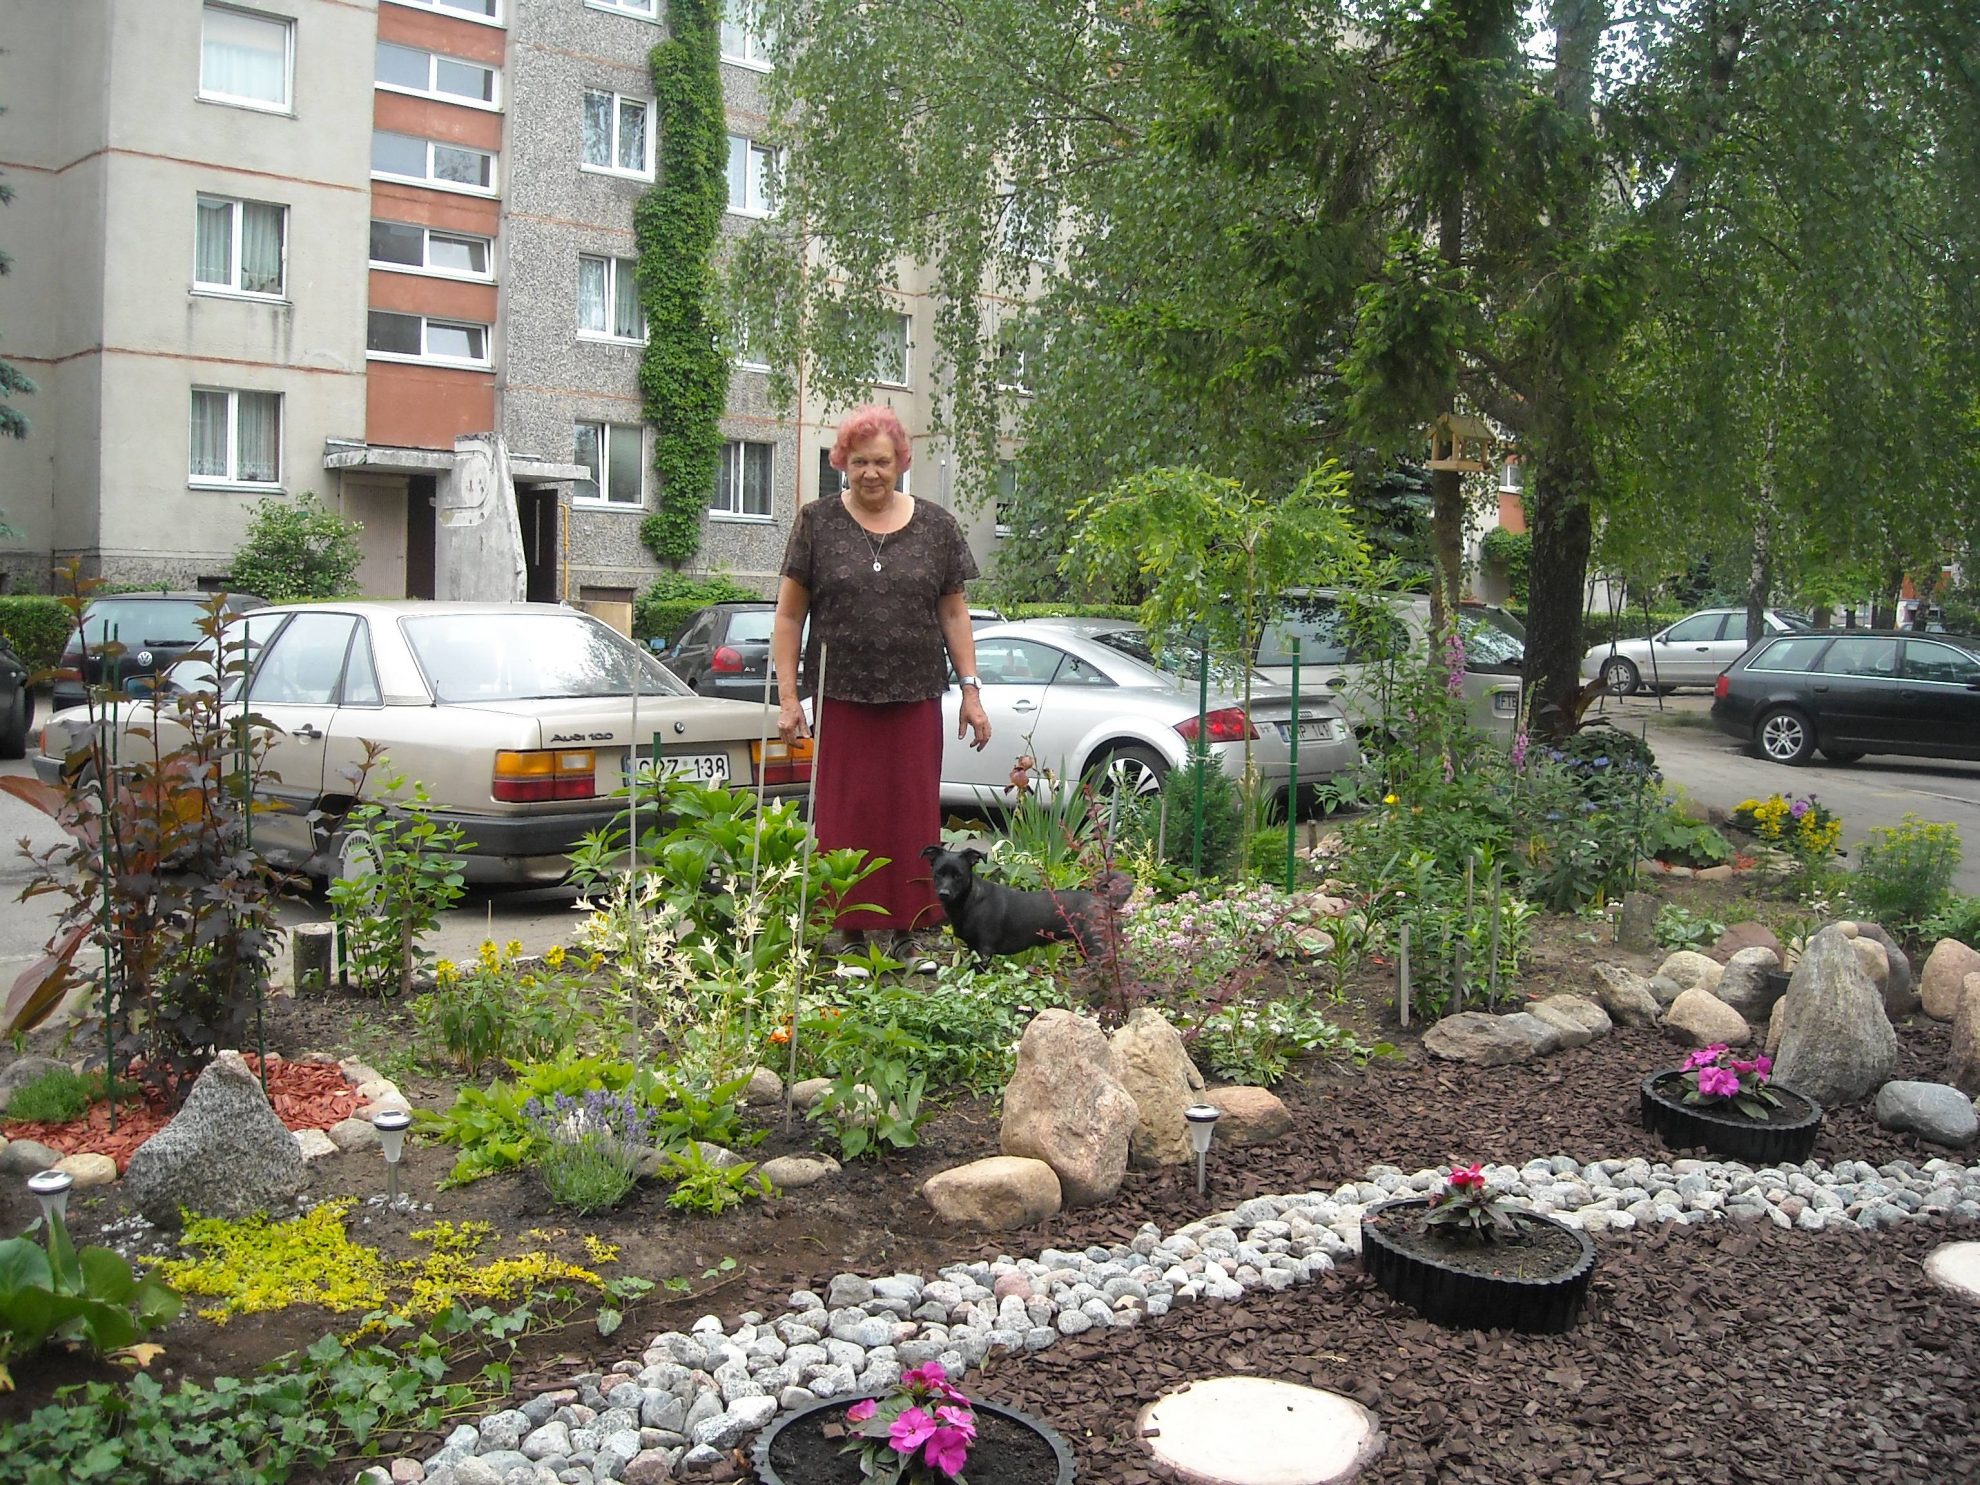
(1883, 609)
(1447, 485)
(1563, 532)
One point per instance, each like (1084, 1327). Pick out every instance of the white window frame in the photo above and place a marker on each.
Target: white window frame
(606, 430)
(426, 356)
(235, 100)
(425, 268)
(614, 269)
(641, 10)
(434, 183)
(752, 150)
(755, 54)
(232, 480)
(882, 374)
(1011, 354)
(234, 290)
(433, 90)
(466, 10)
(998, 494)
(612, 142)
(732, 509)
(745, 356)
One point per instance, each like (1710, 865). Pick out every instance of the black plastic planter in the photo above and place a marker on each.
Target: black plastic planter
(1447, 1290)
(794, 1451)
(1787, 1138)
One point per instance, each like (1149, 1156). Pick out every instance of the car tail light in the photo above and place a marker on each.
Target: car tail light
(1226, 724)
(1721, 686)
(545, 773)
(725, 661)
(780, 762)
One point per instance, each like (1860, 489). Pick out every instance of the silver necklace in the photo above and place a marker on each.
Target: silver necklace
(876, 548)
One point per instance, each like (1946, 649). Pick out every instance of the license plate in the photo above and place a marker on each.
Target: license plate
(705, 768)
(1320, 731)
(1505, 703)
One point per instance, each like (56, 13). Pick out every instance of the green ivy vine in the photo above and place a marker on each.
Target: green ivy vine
(684, 375)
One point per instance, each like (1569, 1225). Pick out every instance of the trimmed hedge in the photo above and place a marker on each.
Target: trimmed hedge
(1599, 627)
(1071, 611)
(663, 610)
(35, 626)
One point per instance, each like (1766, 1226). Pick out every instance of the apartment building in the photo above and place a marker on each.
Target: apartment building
(281, 246)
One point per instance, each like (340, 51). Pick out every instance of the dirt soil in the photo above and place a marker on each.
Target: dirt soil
(1711, 1353)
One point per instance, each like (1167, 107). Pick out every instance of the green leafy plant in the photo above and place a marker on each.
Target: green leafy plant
(35, 627)
(406, 875)
(58, 1293)
(1957, 916)
(296, 550)
(666, 604)
(874, 1103)
(1511, 552)
(1680, 928)
(1905, 871)
(494, 1009)
(1469, 1207)
(1682, 841)
(1223, 819)
(701, 1185)
(59, 1096)
(592, 1147)
(1255, 1043)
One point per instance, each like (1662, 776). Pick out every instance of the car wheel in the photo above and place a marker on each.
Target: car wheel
(357, 855)
(1785, 736)
(1620, 676)
(1841, 755)
(1131, 769)
(14, 726)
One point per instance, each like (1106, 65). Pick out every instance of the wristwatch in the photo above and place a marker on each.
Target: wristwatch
(970, 680)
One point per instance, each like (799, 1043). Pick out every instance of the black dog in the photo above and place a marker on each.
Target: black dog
(994, 919)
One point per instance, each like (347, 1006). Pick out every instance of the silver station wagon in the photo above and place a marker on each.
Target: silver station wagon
(520, 719)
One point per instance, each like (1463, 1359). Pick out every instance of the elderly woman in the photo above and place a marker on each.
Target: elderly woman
(881, 576)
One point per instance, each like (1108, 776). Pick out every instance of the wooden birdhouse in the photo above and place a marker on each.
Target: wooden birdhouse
(1459, 441)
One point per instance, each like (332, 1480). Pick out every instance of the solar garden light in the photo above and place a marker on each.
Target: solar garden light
(1202, 1119)
(391, 1125)
(51, 1189)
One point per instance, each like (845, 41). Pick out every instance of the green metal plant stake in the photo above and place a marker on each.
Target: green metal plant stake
(1292, 777)
(1202, 742)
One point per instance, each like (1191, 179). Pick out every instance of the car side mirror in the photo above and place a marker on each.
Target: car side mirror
(658, 645)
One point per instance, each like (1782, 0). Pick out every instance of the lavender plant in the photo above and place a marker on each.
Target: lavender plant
(594, 1145)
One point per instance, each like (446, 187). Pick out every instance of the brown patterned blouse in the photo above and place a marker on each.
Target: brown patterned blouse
(882, 625)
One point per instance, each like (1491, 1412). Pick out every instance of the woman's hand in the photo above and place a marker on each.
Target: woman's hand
(970, 717)
(790, 721)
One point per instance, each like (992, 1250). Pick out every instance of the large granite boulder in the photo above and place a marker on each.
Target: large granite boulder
(1932, 1111)
(996, 1194)
(1746, 985)
(225, 1153)
(1946, 969)
(1064, 1106)
(1690, 970)
(1477, 1036)
(1963, 1066)
(1837, 1045)
(1698, 1018)
(1151, 1062)
(1577, 1019)
(1900, 986)
(1625, 995)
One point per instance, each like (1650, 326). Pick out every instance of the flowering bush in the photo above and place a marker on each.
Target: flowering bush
(1713, 1076)
(1470, 1205)
(1804, 826)
(594, 1146)
(921, 1433)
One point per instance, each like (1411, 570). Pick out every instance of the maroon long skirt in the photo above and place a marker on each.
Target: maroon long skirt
(879, 777)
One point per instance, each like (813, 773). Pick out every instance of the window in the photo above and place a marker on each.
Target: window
(244, 58)
(1698, 629)
(742, 488)
(830, 481)
(1011, 360)
(890, 359)
(405, 69)
(613, 454)
(1007, 488)
(490, 10)
(608, 299)
(1928, 660)
(615, 134)
(236, 437)
(1016, 662)
(305, 664)
(406, 157)
(403, 246)
(647, 8)
(748, 357)
(752, 177)
(418, 338)
(744, 38)
(1795, 654)
(237, 246)
(1861, 655)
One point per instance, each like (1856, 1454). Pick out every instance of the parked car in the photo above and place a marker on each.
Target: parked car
(1332, 656)
(150, 630)
(520, 720)
(1690, 652)
(1851, 692)
(725, 648)
(1086, 699)
(16, 704)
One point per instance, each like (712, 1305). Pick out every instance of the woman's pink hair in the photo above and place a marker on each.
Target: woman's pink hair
(863, 423)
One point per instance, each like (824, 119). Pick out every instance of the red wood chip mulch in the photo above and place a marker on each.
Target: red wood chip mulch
(306, 1095)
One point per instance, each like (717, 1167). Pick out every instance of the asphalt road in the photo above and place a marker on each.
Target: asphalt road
(1711, 768)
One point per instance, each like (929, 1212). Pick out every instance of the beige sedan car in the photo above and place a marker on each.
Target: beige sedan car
(520, 719)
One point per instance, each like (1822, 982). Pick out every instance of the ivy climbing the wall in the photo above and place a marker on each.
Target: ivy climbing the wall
(684, 375)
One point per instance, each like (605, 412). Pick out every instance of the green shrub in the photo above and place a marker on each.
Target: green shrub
(297, 550)
(1599, 627)
(35, 627)
(1680, 928)
(1222, 819)
(1957, 916)
(58, 1096)
(1512, 553)
(1905, 871)
(662, 611)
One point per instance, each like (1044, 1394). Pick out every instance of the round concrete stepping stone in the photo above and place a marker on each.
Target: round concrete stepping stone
(1255, 1431)
(1956, 1267)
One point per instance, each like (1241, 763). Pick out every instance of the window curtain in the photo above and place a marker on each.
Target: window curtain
(598, 128)
(261, 248)
(242, 56)
(627, 322)
(213, 252)
(632, 135)
(588, 455)
(623, 451)
(259, 429)
(209, 435)
(756, 479)
(591, 295)
(738, 172)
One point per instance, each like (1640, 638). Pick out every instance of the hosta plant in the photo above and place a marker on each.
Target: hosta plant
(58, 1293)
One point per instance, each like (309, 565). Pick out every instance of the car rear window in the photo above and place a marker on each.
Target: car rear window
(1795, 654)
(1320, 630)
(530, 656)
(144, 621)
(1486, 644)
(751, 624)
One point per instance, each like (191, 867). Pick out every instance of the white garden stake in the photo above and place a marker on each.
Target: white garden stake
(804, 877)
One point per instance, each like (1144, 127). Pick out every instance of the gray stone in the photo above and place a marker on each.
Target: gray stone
(1740, 936)
(1700, 1019)
(1625, 995)
(1837, 1045)
(1252, 1116)
(615, 1452)
(1151, 1063)
(1963, 1064)
(225, 1154)
(995, 1194)
(661, 1410)
(1690, 970)
(1900, 987)
(1747, 986)
(1636, 924)
(648, 1467)
(26, 1157)
(794, 1172)
(1932, 1111)
(1578, 1019)
(1063, 1106)
(1490, 1041)
(353, 1133)
(1946, 969)
(847, 1290)
(701, 1457)
(504, 1430)
(765, 1088)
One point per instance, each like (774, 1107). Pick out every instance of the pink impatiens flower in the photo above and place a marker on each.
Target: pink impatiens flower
(959, 1418)
(862, 1410)
(1704, 1057)
(1465, 1177)
(1764, 1065)
(1718, 1082)
(910, 1431)
(947, 1450)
